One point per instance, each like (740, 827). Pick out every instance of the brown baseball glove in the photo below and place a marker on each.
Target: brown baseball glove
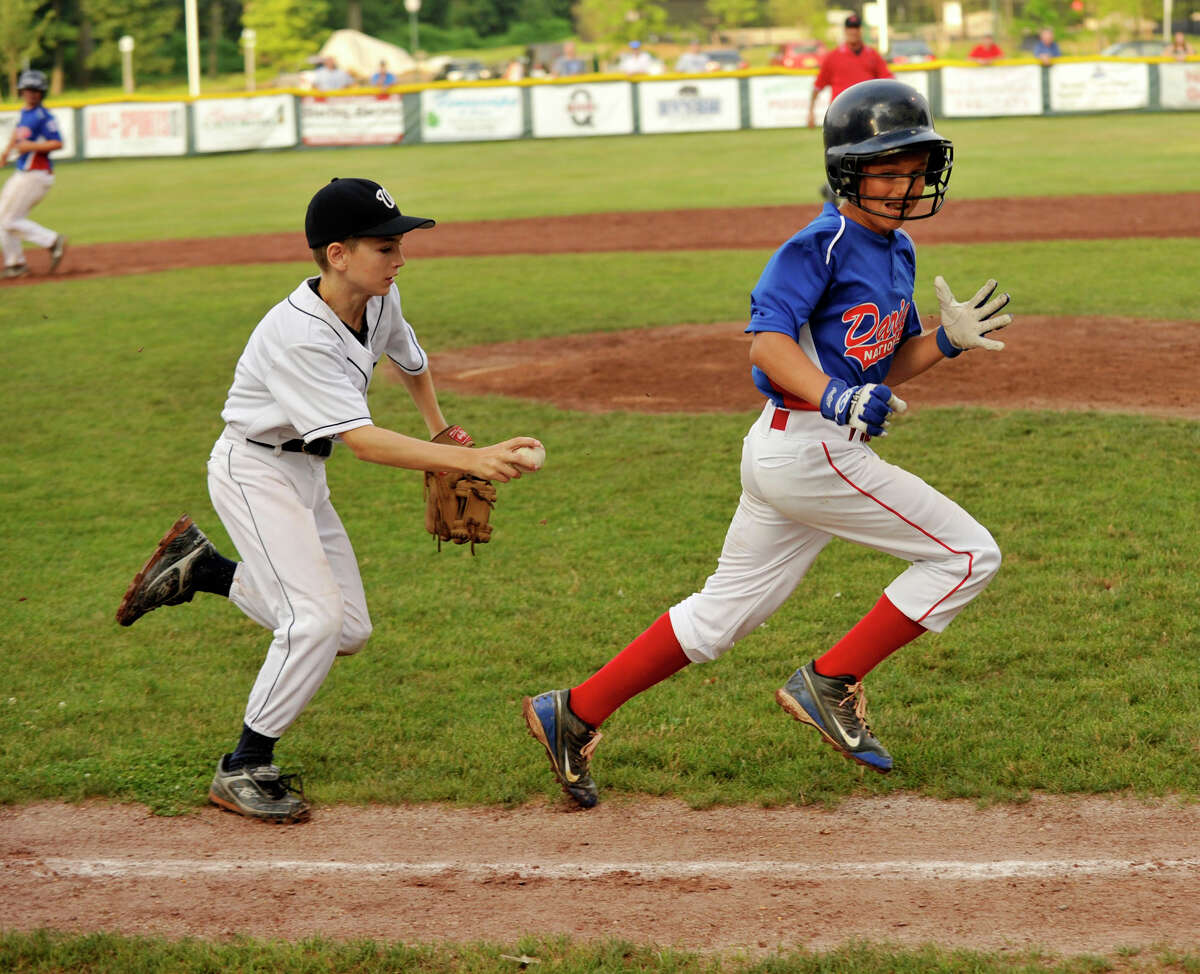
(458, 506)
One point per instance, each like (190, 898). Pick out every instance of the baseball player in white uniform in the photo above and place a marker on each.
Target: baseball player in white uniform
(34, 137)
(299, 387)
(833, 319)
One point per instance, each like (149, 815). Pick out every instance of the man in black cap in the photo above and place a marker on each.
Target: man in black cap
(842, 67)
(299, 387)
(847, 65)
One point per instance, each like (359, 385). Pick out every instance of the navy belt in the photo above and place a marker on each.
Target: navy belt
(317, 448)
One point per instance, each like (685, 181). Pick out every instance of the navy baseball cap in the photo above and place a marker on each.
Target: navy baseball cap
(345, 208)
(854, 20)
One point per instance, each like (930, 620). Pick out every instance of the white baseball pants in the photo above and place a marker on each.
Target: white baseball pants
(806, 483)
(298, 575)
(23, 191)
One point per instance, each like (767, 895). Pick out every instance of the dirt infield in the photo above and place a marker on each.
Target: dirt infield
(1077, 875)
(1071, 875)
(761, 227)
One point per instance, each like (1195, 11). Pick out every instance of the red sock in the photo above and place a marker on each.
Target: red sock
(648, 660)
(874, 638)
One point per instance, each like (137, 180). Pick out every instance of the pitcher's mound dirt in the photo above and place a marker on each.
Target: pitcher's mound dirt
(1111, 364)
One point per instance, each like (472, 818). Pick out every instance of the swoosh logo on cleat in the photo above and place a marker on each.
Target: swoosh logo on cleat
(851, 742)
(570, 775)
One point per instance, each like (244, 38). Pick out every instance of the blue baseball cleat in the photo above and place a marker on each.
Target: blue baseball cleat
(568, 741)
(837, 708)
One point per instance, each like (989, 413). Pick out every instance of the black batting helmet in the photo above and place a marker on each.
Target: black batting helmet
(875, 119)
(30, 80)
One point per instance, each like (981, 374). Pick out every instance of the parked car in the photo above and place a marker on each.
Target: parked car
(463, 71)
(726, 59)
(1135, 49)
(799, 54)
(912, 51)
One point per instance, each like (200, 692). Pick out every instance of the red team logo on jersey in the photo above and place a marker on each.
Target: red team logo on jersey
(870, 337)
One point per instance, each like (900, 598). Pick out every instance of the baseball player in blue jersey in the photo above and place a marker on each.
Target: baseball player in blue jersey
(34, 137)
(299, 386)
(834, 327)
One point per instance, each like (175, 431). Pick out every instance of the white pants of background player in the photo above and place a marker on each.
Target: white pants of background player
(804, 485)
(297, 577)
(23, 191)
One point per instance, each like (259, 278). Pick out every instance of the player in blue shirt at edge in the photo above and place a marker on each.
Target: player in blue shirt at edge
(834, 326)
(34, 137)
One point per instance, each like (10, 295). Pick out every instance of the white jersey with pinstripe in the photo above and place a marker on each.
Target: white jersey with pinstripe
(304, 374)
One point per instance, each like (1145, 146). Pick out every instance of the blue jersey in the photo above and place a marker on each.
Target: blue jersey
(844, 294)
(34, 124)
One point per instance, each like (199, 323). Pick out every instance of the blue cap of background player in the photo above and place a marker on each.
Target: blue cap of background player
(345, 208)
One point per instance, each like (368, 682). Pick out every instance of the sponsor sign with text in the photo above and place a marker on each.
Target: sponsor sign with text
(582, 109)
(352, 120)
(228, 124)
(471, 114)
(135, 129)
(694, 105)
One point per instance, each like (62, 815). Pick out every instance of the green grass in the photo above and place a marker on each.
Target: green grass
(149, 199)
(27, 953)
(1085, 640)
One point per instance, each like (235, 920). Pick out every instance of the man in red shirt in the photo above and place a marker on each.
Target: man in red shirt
(987, 51)
(847, 65)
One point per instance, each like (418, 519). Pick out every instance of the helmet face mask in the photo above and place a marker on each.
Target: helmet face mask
(850, 173)
(873, 121)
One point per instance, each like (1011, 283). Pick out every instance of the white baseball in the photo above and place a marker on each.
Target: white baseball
(531, 457)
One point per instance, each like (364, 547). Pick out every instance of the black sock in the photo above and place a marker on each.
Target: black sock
(253, 750)
(214, 574)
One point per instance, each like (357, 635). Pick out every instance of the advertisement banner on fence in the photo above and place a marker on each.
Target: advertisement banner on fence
(1099, 86)
(781, 101)
(65, 117)
(352, 120)
(1179, 85)
(916, 79)
(992, 91)
(227, 124)
(471, 114)
(582, 109)
(135, 129)
(692, 105)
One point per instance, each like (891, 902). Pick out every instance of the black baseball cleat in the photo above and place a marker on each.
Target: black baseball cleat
(259, 792)
(166, 579)
(569, 743)
(57, 249)
(837, 708)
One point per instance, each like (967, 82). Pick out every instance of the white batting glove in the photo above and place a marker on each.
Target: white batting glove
(964, 323)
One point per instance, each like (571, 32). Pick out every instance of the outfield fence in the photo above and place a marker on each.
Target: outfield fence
(593, 105)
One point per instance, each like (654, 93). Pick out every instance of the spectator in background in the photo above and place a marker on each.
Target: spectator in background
(847, 65)
(1046, 49)
(986, 52)
(637, 60)
(514, 70)
(692, 61)
(1179, 48)
(329, 77)
(568, 63)
(383, 78)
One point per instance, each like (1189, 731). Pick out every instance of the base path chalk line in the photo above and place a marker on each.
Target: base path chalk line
(896, 869)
